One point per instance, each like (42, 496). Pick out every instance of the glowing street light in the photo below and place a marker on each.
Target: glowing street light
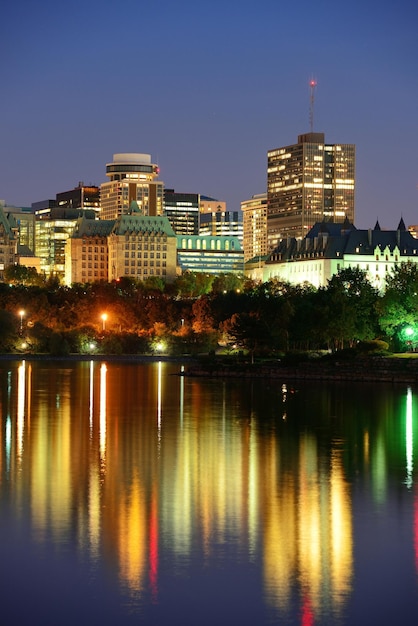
(104, 318)
(21, 313)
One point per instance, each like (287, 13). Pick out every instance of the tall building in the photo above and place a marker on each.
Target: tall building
(81, 197)
(8, 243)
(221, 223)
(308, 182)
(182, 210)
(132, 178)
(52, 229)
(254, 221)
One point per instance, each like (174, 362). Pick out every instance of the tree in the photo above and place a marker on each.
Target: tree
(351, 303)
(398, 308)
(22, 275)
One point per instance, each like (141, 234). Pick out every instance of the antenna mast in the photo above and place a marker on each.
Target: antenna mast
(312, 85)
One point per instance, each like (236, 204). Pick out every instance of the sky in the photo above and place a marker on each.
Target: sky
(207, 88)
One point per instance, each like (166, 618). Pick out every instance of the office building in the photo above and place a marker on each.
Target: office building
(81, 197)
(182, 210)
(132, 178)
(52, 229)
(308, 182)
(221, 223)
(213, 255)
(8, 243)
(254, 223)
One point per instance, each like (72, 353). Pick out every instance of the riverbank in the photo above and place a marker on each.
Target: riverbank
(127, 358)
(365, 369)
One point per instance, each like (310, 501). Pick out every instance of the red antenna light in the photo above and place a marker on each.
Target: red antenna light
(312, 85)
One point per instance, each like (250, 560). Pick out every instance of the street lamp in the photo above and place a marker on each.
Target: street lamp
(104, 318)
(21, 313)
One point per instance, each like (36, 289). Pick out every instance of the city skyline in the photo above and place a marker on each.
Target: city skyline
(207, 90)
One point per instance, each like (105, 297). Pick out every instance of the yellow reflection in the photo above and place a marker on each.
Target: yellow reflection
(341, 534)
(21, 394)
(409, 440)
(102, 436)
(91, 396)
(159, 401)
(132, 536)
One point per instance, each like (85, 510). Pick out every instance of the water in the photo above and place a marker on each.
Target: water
(131, 495)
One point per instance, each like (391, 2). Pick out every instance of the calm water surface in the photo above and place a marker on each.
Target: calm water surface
(131, 495)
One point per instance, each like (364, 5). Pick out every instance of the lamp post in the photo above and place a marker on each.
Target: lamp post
(104, 318)
(21, 313)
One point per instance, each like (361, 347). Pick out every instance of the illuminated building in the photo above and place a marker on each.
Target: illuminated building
(52, 229)
(221, 224)
(8, 243)
(132, 178)
(329, 248)
(254, 218)
(134, 245)
(81, 197)
(211, 205)
(86, 253)
(308, 182)
(22, 221)
(213, 255)
(182, 210)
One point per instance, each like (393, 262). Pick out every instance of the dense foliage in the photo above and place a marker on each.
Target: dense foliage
(201, 313)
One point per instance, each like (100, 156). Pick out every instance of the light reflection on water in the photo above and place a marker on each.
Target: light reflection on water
(198, 497)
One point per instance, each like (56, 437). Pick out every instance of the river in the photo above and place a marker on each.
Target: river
(132, 495)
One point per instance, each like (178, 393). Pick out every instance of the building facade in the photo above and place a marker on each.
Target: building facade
(210, 254)
(134, 245)
(308, 182)
(182, 210)
(221, 224)
(132, 178)
(52, 229)
(254, 226)
(81, 197)
(329, 248)
(8, 243)
(87, 252)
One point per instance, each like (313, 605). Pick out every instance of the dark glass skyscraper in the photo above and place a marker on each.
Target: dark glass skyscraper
(308, 182)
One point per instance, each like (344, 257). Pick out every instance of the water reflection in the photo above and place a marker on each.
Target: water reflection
(88, 456)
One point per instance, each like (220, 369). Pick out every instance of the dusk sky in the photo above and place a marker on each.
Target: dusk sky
(207, 88)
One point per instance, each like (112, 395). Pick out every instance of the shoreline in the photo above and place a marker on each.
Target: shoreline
(365, 370)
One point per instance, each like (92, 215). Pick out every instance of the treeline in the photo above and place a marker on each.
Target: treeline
(201, 313)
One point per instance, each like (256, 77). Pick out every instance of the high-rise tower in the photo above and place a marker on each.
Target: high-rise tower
(132, 177)
(308, 182)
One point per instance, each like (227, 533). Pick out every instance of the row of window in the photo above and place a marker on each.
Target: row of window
(152, 255)
(145, 263)
(202, 244)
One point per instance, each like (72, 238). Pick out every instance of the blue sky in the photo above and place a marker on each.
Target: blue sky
(207, 88)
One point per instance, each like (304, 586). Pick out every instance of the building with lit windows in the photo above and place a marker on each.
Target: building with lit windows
(8, 243)
(308, 182)
(211, 205)
(52, 229)
(182, 210)
(134, 245)
(221, 224)
(210, 254)
(87, 252)
(254, 223)
(81, 197)
(329, 248)
(132, 178)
